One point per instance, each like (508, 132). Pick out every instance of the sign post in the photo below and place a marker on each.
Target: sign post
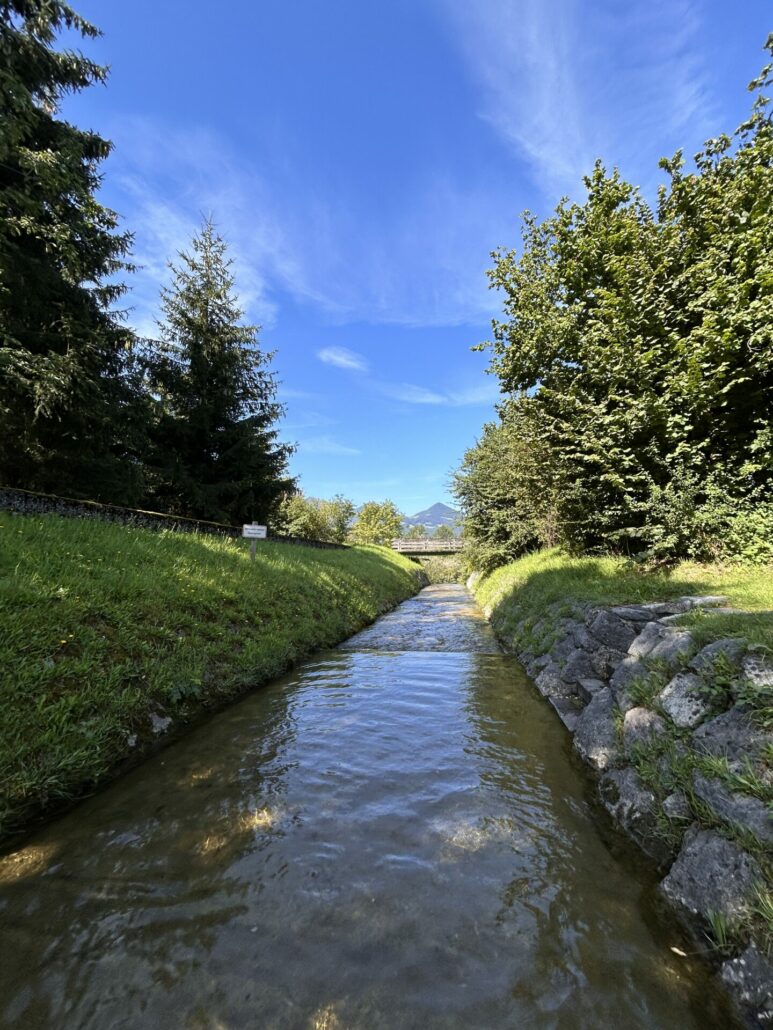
(253, 532)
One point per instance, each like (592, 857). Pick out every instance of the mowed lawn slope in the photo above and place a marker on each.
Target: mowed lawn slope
(107, 631)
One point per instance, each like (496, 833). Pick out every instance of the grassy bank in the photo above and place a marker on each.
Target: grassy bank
(537, 582)
(106, 630)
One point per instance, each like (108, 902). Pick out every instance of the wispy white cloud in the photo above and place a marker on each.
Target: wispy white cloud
(484, 394)
(564, 81)
(326, 445)
(307, 420)
(342, 357)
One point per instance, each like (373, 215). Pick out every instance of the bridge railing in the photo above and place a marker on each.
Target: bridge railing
(427, 546)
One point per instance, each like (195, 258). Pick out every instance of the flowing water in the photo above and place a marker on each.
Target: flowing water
(394, 835)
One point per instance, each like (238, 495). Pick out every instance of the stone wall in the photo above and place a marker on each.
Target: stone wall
(682, 763)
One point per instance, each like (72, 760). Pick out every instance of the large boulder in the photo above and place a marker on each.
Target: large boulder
(611, 630)
(641, 725)
(749, 978)
(683, 700)
(757, 667)
(577, 666)
(732, 735)
(550, 684)
(670, 649)
(710, 875)
(628, 672)
(595, 735)
(649, 637)
(729, 647)
(605, 660)
(634, 807)
(740, 810)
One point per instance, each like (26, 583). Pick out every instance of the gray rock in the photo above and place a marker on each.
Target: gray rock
(749, 978)
(595, 735)
(732, 735)
(677, 644)
(757, 667)
(567, 710)
(588, 688)
(562, 648)
(634, 807)
(711, 874)
(541, 661)
(609, 629)
(550, 684)
(605, 660)
(641, 725)
(705, 601)
(583, 639)
(682, 700)
(628, 672)
(677, 807)
(731, 647)
(578, 666)
(740, 810)
(632, 612)
(649, 637)
(159, 723)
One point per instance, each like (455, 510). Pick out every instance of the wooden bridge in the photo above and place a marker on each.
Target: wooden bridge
(428, 546)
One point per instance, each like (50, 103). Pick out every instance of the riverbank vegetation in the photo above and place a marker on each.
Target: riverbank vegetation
(635, 357)
(534, 584)
(111, 634)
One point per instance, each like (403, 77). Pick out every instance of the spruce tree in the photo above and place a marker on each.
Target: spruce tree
(69, 398)
(218, 456)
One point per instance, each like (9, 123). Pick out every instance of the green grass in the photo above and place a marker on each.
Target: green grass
(443, 568)
(552, 579)
(103, 625)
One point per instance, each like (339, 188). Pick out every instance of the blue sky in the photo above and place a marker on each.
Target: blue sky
(363, 160)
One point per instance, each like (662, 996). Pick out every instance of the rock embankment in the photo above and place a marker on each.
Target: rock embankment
(683, 762)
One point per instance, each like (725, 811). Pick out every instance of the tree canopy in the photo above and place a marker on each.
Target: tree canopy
(636, 360)
(71, 405)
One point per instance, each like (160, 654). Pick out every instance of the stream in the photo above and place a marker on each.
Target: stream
(394, 835)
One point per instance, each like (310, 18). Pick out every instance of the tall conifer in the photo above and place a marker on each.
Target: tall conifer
(68, 411)
(218, 452)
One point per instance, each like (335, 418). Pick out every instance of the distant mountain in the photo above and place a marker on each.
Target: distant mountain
(434, 516)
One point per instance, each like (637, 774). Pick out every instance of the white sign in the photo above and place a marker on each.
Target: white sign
(252, 531)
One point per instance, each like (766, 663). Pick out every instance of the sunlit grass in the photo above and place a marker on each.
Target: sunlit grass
(551, 577)
(103, 625)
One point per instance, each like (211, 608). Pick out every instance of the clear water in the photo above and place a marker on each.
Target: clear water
(395, 835)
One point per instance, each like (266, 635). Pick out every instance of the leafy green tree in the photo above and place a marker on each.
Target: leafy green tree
(377, 523)
(301, 516)
(338, 514)
(443, 533)
(637, 353)
(417, 532)
(217, 452)
(71, 399)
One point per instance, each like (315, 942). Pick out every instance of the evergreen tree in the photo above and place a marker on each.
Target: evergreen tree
(69, 392)
(217, 453)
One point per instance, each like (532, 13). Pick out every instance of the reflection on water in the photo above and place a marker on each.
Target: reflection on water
(393, 836)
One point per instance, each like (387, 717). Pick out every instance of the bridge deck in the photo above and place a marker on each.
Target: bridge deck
(427, 546)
